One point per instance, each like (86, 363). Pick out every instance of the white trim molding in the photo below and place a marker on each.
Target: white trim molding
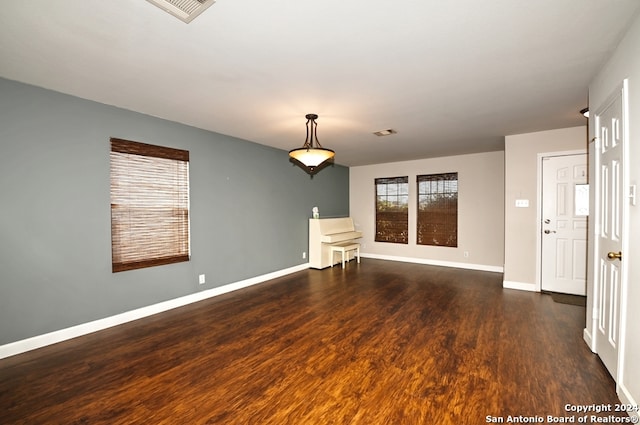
(54, 337)
(457, 265)
(627, 399)
(520, 286)
(586, 336)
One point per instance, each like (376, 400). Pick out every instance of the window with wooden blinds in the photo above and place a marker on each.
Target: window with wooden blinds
(149, 205)
(438, 209)
(392, 209)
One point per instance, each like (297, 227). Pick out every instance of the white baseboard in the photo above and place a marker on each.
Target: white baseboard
(586, 336)
(520, 286)
(43, 340)
(626, 399)
(469, 266)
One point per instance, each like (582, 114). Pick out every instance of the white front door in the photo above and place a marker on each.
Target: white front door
(610, 200)
(565, 206)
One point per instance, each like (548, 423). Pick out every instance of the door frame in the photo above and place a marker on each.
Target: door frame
(540, 159)
(593, 238)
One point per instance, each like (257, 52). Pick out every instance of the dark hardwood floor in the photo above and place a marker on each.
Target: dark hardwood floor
(376, 343)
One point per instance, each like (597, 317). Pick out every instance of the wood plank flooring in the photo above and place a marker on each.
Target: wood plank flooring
(376, 343)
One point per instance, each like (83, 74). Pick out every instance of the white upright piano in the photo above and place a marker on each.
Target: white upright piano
(326, 231)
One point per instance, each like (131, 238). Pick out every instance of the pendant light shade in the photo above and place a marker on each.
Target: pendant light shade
(311, 155)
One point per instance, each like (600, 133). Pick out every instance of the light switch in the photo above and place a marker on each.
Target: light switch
(522, 203)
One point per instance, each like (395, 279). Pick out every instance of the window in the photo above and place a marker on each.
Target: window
(438, 209)
(392, 209)
(149, 205)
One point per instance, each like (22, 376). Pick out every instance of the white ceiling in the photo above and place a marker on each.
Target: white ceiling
(451, 76)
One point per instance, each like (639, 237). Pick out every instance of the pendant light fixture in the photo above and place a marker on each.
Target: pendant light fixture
(311, 155)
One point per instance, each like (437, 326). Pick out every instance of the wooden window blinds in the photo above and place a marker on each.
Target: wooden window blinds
(392, 209)
(438, 209)
(149, 205)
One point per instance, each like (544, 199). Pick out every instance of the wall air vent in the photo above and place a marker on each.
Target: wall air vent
(185, 10)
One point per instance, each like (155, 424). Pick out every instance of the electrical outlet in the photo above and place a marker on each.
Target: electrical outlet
(201, 279)
(466, 254)
(304, 255)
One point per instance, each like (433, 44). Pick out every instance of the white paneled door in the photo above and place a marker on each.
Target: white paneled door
(611, 203)
(565, 207)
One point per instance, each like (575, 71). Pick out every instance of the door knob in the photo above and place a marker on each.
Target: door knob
(613, 255)
(547, 231)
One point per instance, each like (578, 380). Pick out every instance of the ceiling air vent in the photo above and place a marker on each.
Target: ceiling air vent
(185, 10)
(386, 132)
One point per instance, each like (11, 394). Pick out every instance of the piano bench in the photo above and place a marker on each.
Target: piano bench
(344, 248)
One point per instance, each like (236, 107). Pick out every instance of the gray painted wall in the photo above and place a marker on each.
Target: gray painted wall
(249, 211)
